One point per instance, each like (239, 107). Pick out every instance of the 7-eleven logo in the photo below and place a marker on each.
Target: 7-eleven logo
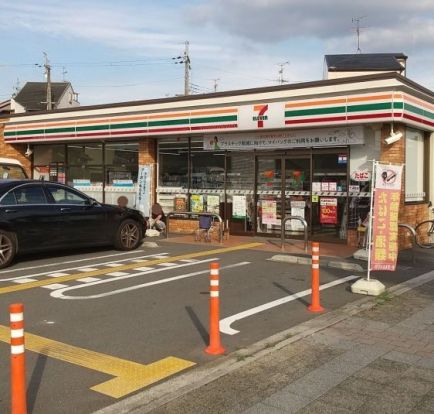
(261, 117)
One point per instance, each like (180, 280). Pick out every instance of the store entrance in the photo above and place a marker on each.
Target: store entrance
(312, 186)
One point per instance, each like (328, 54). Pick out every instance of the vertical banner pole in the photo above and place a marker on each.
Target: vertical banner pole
(371, 217)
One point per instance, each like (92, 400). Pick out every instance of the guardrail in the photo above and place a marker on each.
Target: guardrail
(283, 229)
(193, 214)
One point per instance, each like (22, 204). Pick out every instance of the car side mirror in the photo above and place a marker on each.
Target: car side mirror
(91, 202)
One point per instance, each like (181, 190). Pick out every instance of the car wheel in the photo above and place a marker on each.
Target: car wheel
(128, 236)
(7, 248)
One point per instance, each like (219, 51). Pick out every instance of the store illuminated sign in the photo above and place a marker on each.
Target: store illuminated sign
(286, 139)
(260, 117)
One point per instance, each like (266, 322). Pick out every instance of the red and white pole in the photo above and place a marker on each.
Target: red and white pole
(315, 305)
(18, 368)
(215, 347)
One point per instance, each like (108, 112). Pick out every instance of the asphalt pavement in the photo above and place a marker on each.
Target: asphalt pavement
(104, 326)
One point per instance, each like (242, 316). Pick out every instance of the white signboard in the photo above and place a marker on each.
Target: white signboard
(239, 206)
(143, 195)
(297, 209)
(361, 176)
(285, 139)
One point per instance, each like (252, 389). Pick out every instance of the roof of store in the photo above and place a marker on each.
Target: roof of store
(365, 61)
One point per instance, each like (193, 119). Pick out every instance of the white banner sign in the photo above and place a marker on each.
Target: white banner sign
(239, 206)
(287, 139)
(143, 195)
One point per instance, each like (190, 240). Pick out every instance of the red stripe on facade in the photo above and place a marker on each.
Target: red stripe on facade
(370, 116)
(168, 129)
(416, 119)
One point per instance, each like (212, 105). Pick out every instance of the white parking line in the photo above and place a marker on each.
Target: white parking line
(71, 261)
(59, 293)
(87, 269)
(169, 264)
(75, 268)
(88, 279)
(225, 324)
(54, 286)
(24, 280)
(58, 274)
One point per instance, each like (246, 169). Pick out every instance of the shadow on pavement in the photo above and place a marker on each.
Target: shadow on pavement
(198, 324)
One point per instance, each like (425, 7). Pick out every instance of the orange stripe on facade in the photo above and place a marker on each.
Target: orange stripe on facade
(258, 107)
(340, 100)
(119, 119)
(418, 102)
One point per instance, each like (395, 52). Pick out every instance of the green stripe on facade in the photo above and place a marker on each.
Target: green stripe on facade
(169, 122)
(317, 111)
(130, 125)
(419, 111)
(370, 107)
(213, 119)
(33, 131)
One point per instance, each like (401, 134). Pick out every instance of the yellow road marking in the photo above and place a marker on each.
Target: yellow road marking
(102, 272)
(129, 376)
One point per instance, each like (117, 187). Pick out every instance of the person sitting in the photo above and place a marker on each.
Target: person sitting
(157, 218)
(122, 202)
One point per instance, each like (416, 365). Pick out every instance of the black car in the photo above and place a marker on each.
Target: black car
(41, 215)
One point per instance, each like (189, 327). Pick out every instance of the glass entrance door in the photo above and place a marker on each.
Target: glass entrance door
(269, 206)
(297, 186)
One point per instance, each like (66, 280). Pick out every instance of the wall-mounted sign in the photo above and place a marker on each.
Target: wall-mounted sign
(239, 206)
(361, 175)
(286, 139)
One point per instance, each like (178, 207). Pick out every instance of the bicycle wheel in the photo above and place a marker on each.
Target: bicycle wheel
(425, 234)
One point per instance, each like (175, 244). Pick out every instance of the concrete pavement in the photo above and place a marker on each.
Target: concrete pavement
(372, 356)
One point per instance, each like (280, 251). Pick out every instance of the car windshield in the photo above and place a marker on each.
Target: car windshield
(12, 172)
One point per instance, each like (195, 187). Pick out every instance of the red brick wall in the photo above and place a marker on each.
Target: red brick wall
(14, 151)
(408, 213)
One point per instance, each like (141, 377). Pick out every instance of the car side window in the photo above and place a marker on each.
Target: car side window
(62, 195)
(8, 199)
(30, 194)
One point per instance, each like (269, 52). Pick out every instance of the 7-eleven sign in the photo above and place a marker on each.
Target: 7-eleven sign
(260, 110)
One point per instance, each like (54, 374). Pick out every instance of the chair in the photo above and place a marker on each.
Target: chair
(205, 228)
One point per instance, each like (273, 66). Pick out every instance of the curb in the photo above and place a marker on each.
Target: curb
(151, 245)
(355, 267)
(161, 394)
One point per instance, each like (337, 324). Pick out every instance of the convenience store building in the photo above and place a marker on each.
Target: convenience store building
(253, 156)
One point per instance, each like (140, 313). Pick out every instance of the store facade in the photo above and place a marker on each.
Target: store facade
(252, 156)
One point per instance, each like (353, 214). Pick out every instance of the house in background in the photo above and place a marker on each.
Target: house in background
(33, 97)
(342, 66)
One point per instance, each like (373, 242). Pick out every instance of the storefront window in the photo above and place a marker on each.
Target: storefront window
(414, 166)
(85, 169)
(49, 162)
(121, 165)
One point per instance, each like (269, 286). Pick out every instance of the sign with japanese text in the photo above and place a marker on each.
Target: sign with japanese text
(269, 212)
(239, 206)
(286, 139)
(328, 210)
(143, 194)
(385, 219)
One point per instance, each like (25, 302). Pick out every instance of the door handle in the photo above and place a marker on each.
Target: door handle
(64, 209)
(10, 211)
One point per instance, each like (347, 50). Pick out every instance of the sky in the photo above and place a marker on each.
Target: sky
(114, 51)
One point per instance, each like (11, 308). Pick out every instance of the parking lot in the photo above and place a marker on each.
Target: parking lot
(105, 324)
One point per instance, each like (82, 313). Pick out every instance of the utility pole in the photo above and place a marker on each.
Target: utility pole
(48, 76)
(356, 20)
(281, 66)
(215, 84)
(185, 60)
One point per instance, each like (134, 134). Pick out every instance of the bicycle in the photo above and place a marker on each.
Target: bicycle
(425, 234)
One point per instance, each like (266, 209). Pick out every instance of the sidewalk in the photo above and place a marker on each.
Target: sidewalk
(372, 356)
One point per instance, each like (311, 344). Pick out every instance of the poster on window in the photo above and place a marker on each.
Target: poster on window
(196, 201)
(387, 194)
(213, 204)
(180, 204)
(143, 193)
(239, 206)
(328, 210)
(297, 209)
(269, 212)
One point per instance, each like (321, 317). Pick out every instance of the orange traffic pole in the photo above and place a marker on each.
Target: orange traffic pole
(18, 369)
(215, 347)
(315, 305)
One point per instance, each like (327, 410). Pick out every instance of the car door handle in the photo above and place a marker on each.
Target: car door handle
(65, 209)
(10, 211)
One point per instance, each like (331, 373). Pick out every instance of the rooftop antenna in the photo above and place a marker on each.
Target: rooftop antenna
(216, 84)
(281, 80)
(64, 72)
(356, 20)
(16, 88)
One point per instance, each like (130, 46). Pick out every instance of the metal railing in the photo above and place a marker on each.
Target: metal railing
(283, 230)
(192, 214)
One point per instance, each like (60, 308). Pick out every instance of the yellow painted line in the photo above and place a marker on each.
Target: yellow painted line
(129, 376)
(101, 272)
